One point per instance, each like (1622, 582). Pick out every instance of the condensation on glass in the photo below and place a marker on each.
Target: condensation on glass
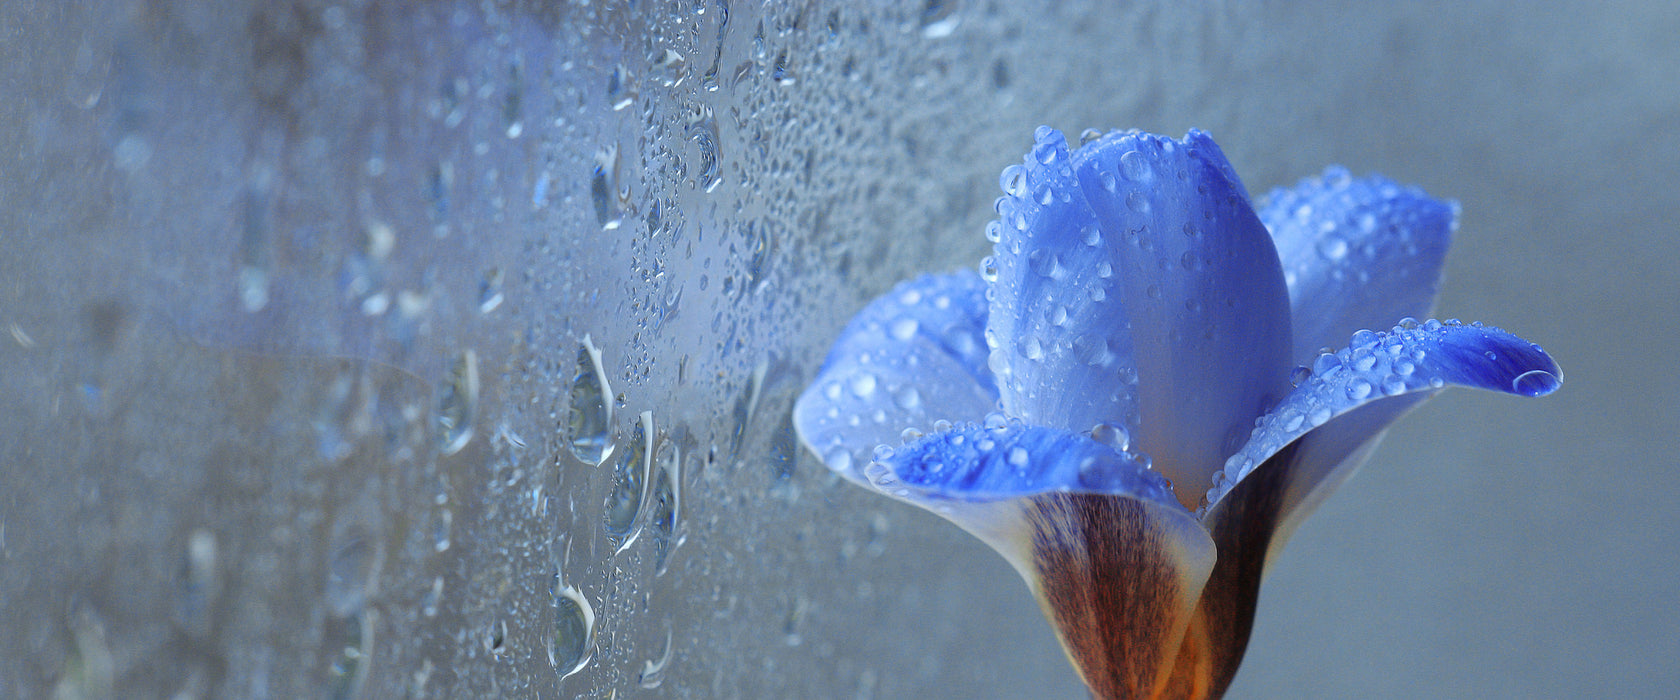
(448, 349)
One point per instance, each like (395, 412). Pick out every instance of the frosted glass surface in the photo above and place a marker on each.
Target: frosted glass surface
(447, 350)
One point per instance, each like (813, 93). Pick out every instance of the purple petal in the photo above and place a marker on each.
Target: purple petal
(1058, 321)
(910, 358)
(1357, 253)
(1371, 382)
(1208, 308)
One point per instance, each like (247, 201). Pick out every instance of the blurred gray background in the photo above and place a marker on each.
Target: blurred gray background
(295, 293)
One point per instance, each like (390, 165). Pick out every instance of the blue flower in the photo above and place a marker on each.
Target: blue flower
(1133, 401)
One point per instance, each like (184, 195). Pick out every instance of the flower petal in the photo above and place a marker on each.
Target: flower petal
(1208, 308)
(1116, 563)
(1309, 443)
(914, 356)
(1057, 323)
(1404, 365)
(1357, 253)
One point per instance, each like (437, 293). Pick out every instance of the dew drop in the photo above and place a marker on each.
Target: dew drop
(863, 385)
(1136, 202)
(1358, 389)
(1045, 152)
(1031, 348)
(1299, 375)
(1535, 382)
(1013, 181)
(904, 329)
(1112, 435)
(909, 399)
(1018, 457)
(1135, 166)
(839, 459)
(1333, 247)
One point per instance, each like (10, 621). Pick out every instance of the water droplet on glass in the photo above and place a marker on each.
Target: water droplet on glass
(459, 405)
(348, 671)
(603, 189)
(667, 505)
(630, 482)
(574, 629)
(653, 670)
(590, 414)
(490, 291)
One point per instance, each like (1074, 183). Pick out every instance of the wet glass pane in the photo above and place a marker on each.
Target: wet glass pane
(449, 349)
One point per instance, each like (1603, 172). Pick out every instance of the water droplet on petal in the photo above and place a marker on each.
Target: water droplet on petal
(1018, 457)
(1135, 166)
(904, 328)
(1136, 202)
(1333, 247)
(863, 385)
(1112, 435)
(1535, 382)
